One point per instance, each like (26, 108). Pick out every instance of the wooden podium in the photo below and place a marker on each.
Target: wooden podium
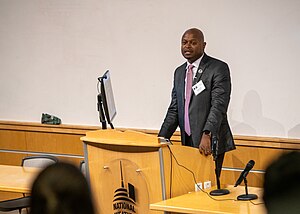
(130, 170)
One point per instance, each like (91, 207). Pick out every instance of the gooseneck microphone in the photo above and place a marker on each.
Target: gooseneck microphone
(218, 164)
(243, 175)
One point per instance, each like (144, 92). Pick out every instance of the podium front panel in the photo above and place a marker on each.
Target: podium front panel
(124, 182)
(128, 171)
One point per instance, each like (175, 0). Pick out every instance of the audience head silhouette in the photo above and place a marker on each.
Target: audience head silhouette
(282, 184)
(61, 189)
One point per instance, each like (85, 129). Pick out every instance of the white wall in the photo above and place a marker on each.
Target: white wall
(52, 52)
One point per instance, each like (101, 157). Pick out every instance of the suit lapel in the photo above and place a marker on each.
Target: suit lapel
(201, 69)
(181, 85)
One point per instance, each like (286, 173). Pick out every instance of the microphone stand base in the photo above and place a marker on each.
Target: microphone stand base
(218, 192)
(247, 197)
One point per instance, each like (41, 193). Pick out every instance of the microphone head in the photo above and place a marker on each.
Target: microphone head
(252, 162)
(250, 165)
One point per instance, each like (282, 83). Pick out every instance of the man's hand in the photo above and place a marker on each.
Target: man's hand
(205, 144)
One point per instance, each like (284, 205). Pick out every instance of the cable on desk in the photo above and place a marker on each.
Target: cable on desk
(193, 174)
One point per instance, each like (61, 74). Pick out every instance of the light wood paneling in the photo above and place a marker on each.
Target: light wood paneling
(25, 139)
(54, 143)
(64, 140)
(185, 167)
(10, 158)
(12, 139)
(241, 156)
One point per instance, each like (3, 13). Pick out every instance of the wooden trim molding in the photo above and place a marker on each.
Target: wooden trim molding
(38, 127)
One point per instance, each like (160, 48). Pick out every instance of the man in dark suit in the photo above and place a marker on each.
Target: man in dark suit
(205, 104)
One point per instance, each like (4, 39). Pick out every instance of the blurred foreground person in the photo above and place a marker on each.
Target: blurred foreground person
(282, 184)
(61, 189)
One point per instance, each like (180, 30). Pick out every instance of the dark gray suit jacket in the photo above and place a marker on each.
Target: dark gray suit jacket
(207, 110)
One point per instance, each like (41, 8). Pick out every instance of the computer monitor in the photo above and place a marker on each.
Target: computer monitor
(106, 101)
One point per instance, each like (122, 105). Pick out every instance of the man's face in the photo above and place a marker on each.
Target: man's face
(192, 46)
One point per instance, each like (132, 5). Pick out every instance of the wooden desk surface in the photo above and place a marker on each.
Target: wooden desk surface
(17, 178)
(200, 202)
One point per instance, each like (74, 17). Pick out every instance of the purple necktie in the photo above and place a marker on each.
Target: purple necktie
(188, 92)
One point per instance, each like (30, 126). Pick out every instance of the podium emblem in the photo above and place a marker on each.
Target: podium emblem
(124, 199)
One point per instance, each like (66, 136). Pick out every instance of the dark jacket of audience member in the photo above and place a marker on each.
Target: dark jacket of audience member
(61, 189)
